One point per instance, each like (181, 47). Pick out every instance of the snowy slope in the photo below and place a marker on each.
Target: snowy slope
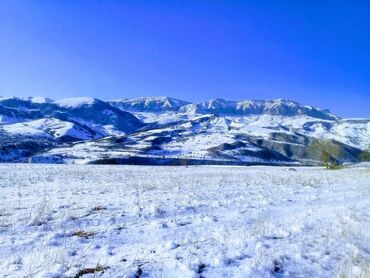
(34, 99)
(38, 99)
(211, 138)
(75, 102)
(129, 221)
(91, 112)
(149, 104)
(26, 129)
(162, 128)
(52, 128)
(257, 107)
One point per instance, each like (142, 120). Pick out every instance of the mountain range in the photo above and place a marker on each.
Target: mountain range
(167, 131)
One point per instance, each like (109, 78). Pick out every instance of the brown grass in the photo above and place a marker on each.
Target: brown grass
(91, 270)
(84, 234)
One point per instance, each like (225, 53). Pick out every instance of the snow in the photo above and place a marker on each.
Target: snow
(162, 118)
(40, 100)
(2, 98)
(8, 120)
(195, 137)
(25, 128)
(36, 99)
(256, 107)
(150, 104)
(161, 100)
(57, 220)
(47, 128)
(75, 102)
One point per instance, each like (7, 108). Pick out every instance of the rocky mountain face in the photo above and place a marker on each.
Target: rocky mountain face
(258, 107)
(162, 130)
(149, 104)
(85, 112)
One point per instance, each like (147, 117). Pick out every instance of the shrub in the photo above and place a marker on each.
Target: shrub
(327, 152)
(365, 156)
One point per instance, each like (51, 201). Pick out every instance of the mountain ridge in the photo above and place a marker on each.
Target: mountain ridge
(239, 107)
(168, 130)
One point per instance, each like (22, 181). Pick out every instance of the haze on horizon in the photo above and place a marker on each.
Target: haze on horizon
(314, 53)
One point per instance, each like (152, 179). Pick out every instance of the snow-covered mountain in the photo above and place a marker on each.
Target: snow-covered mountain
(162, 130)
(223, 107)
(149, 104)
(88, 112)
(30, 99)
(277, 107)
(51, 128)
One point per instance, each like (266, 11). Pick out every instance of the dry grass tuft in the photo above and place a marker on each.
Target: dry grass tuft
(84, 234)
(91, 270)
(98, 208)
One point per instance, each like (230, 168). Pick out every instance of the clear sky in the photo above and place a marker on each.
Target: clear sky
(314, 52)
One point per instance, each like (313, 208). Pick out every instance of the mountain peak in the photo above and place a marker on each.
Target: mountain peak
(277, 107)
(75, 102)
(149, 104)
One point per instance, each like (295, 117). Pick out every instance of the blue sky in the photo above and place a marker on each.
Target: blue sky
(314, 52)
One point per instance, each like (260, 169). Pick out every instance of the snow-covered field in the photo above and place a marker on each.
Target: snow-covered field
(136, 221)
